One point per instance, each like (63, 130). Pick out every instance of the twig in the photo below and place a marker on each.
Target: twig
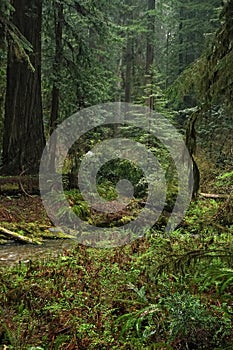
(21, 185)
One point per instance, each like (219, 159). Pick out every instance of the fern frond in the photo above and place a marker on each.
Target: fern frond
(180, 263)
(222, 278)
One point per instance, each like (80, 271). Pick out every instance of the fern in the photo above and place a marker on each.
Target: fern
(180, 263)
(222, 278)
(145, 322)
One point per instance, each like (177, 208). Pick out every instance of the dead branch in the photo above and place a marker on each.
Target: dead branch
(213, 195)
(17, 236)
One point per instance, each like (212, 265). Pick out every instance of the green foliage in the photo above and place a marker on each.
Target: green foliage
(188, 35)
(5, 10)
(116, 298)
(225, 180)
(217, 80)
(194, 324)
(89, 44)
(107, 190)
(183, 318)
(219, 277)
(157, 292)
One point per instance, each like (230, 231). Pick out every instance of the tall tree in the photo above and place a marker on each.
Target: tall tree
(191, 24)
(150, 47)
(23, 139)
(58, 24)
(128, 70)
(216, 78)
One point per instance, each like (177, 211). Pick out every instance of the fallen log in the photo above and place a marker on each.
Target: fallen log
(18, 237)
(213, 196)
(21, 183)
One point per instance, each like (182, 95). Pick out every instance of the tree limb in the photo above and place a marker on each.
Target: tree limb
(212, 195)
(17, 236)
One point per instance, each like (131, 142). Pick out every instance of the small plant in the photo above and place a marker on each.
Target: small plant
(225, 180)
(192, 325)
(187, 323)
(220, 277)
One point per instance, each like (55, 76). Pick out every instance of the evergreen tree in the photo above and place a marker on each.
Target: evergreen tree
(194, 23)
(23, 140)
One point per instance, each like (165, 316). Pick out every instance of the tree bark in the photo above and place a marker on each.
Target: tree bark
(23, 140)
(128, 72)
(150, 37)
(150, 53)
(58, 24)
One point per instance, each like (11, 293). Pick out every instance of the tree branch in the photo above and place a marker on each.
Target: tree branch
(18, 237)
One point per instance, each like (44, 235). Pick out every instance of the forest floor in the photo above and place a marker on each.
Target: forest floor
(157, 292)
(21, 208)
(24, 215)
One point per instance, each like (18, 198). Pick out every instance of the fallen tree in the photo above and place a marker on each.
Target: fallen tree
(213, 196)
(18, 237)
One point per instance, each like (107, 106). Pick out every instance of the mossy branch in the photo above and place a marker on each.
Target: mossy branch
(18, 237)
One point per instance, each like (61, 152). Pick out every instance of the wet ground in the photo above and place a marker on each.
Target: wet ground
(23, 210)
(14, 253)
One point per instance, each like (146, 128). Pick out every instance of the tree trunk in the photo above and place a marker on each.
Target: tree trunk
(128, 72)
(58, 24)
(150, 53)
(181, 41)
(23, 139)
(150, 37)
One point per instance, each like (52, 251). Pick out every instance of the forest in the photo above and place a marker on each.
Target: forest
(116, 177)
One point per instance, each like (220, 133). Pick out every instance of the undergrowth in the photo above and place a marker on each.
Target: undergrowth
(159, 292)
(156, 293)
